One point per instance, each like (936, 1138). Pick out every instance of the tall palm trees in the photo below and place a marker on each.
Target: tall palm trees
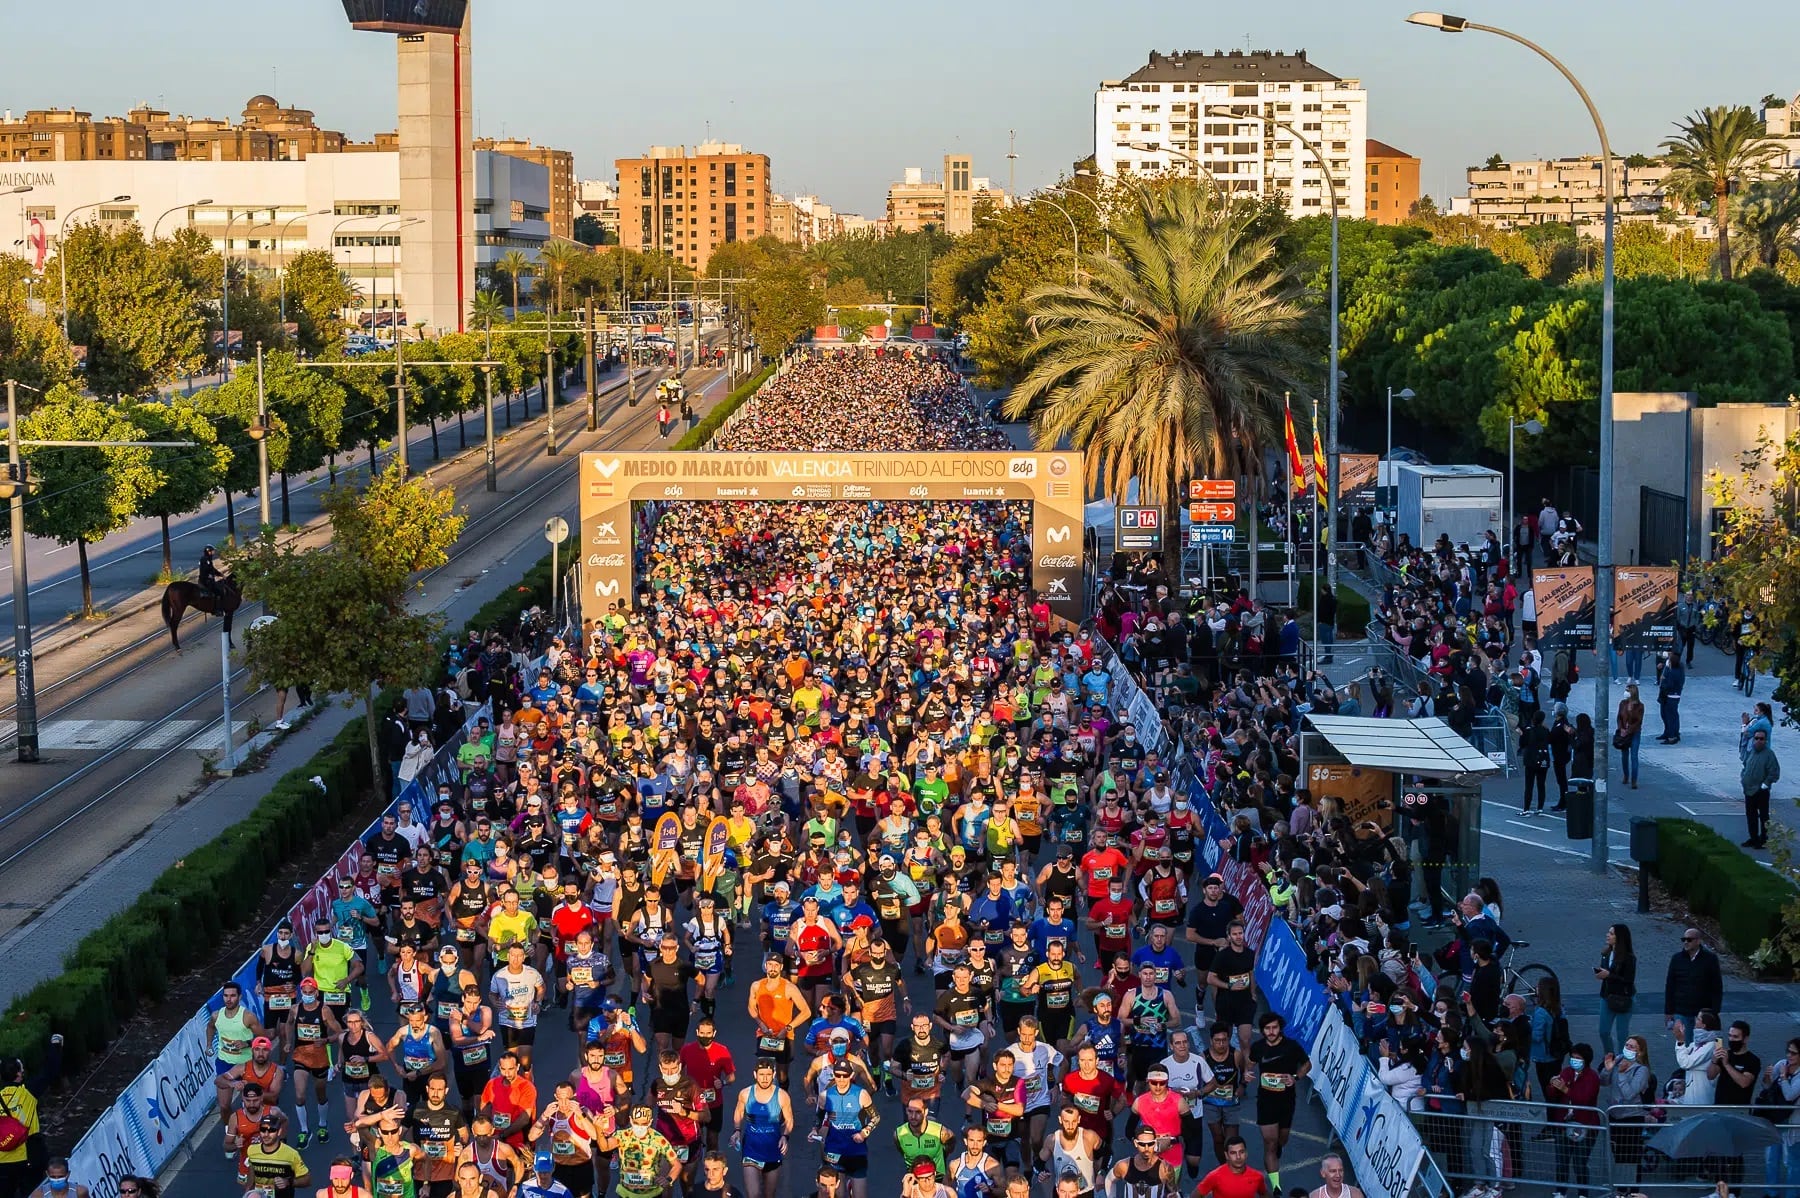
(1767, 217)
(515, 266)
(557, 257)
(1715, 150)
(1170, 357)
(486, 308)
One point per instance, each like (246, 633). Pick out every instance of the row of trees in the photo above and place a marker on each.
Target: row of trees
(317, 418)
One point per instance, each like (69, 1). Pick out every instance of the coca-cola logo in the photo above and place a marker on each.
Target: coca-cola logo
(605, 560)
(1066, 561)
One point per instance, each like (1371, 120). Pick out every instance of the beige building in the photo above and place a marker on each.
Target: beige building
(1392, 183)
(688, 202)
(267, 132)
(947, 203)
(560, 164)
(1543, 191)
(600, 200)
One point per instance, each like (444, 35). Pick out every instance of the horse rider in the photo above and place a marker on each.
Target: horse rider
(215, 574)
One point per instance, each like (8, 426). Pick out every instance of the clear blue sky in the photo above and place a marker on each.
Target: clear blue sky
(841, 101)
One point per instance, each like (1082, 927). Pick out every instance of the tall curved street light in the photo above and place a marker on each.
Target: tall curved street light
(1074, 230)
(397, 223)
(156, 224)
(225, 289)
(1099, 212)
(1332, 375)
(62, 259)
(1603, 579)
(281, 258)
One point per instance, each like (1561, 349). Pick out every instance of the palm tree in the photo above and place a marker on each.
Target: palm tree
(1169, 359)
(486, 308)
(515, 266)
(1716, 149)
(557, 257)
(1768, 219)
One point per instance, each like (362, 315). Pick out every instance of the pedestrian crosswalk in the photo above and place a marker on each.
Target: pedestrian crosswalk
(100, 736)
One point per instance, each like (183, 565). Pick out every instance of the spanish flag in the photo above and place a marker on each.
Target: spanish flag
(1296, 465)
(1320, 474)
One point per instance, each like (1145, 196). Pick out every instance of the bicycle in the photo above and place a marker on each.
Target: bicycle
(1523, 980)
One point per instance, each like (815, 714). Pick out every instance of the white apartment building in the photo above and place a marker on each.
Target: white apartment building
(349, 203)
(1157, 120)
(1783, 123)
(1568, 191)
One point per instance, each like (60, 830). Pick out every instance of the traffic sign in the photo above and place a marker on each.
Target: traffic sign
(556, 530)
(1211, 534)
(1212, 488)
(1212, 513)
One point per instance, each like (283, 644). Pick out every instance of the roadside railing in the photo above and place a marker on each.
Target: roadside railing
(1660, 1149)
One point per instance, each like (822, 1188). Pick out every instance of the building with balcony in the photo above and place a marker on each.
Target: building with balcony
(1188, 113)
(1568, 191)
(947, 203)
(688, 202)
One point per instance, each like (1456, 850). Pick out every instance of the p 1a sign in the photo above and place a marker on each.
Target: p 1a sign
(1138, 529)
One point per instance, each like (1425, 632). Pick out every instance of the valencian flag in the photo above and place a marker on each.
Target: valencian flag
(1319, 472)
(1296, 466)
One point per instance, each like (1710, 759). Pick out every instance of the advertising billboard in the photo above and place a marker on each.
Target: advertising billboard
(1644, 600)
(1565, 607)
(612, 482)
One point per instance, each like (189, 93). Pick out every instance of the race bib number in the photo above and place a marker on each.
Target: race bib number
(280, 1002)
(1087, 1104)
(771, 1043)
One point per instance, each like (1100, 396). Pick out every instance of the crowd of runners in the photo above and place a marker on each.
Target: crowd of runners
(840, 794)
(848, 402)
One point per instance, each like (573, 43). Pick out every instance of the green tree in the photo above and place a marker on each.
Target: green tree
(32, 348)
(1768, 221)
(1713, 151)
(311, 406)
(589, 231)
(342, 620)
(557, 259)
(784, 302)
(231, 410)
(1169, 359)
(133, 306)
(486, 309)
(317, 294)
(82, 494)
(182, 478)
(515, 266)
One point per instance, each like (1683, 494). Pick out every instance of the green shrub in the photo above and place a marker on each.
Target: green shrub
(698, 436)
(1719, 880)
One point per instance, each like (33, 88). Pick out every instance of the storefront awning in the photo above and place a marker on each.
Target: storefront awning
(1426, 746)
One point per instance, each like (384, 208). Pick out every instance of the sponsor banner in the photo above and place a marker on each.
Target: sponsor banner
(1288, 986)
(141, 1132)
(613, 484)
(1246, 885)
(1357, 475)
(1644, 599)
(1381, 1144)
(1565, 607)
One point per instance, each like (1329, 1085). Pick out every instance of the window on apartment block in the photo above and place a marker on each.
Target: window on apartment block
(731, 178)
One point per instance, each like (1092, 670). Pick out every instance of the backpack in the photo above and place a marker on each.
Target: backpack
(1559, 1037)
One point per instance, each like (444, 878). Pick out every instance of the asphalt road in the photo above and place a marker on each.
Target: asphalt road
(125, 719)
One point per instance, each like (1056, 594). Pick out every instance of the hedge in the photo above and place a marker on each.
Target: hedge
(126, 963)
(1717, 879)
(697, 436)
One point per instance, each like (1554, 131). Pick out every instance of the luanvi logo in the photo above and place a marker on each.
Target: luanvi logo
(1057, 536)
(607, 469)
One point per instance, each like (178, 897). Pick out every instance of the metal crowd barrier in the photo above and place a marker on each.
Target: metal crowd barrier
(1655, 1149)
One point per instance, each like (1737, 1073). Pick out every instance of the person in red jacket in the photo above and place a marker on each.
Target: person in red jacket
(1110, 919)
(1574, 1094)
(1103, 864)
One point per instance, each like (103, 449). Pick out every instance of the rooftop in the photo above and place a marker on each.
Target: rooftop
(1380, 149)
(1224, 66)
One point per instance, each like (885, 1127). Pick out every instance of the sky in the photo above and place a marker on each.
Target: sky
(843, 97)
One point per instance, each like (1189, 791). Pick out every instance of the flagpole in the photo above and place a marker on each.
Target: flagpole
(1315, 546)
(1293, 541)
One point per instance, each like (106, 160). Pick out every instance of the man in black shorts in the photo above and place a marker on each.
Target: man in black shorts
(1277, 1065)
(668, 980)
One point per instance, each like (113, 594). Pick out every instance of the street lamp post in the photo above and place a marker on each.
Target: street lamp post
(374, 287)
(1603, 578)
(1331, 414)
(1387, 459)
(1098, 212)
(1073, 229)
(62, 258)
(259, 433)
(282, 257)
(156, 225)
(225, 289)
(1532, 427)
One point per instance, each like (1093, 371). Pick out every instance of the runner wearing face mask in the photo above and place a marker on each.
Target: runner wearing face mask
(58, 1184)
